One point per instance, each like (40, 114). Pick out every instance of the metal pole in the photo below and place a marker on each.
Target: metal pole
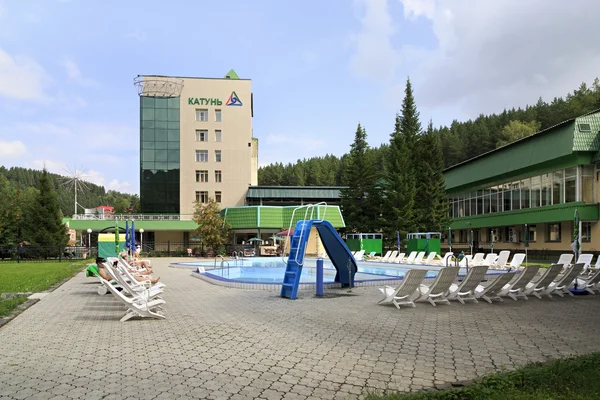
(319, 282)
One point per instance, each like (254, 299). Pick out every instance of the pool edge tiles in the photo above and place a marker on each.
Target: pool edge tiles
(217, 280)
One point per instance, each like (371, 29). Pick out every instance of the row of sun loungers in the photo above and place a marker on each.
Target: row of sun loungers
(140, 298)
(508, 284)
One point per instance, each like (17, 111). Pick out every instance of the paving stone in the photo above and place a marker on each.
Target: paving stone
(248, 344)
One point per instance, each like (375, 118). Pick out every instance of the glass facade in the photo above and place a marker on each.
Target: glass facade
(159, 158)
(556, 187)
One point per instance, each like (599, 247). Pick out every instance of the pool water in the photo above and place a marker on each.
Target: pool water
(271, 270)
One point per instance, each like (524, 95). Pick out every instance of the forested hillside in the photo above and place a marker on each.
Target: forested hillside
(21, 183)
(460, 141)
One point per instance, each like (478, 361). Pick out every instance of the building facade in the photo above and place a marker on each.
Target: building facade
(196, 142)
(530, 189)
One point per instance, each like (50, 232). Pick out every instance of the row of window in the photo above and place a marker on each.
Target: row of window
(202, 135)
(202, 115)
(553, 233)
(202, 176)
(202, 197)
(202, 156)
(557, 187)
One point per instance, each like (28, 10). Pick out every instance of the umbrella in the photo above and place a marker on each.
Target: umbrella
(132, 236)
(287, 232)
(127, 233)
(450, 238)
(255, 239)
(117, 236)
(276, 238)
(398, 240)
(471, 241)
(576, 236)
(526, 242)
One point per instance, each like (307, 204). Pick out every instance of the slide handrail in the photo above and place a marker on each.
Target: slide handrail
(307, 207)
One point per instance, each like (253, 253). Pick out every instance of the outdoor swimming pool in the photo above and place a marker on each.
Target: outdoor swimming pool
(270, 270)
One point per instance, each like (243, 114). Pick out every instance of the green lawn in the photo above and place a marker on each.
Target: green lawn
(32, 277)
(567, 379)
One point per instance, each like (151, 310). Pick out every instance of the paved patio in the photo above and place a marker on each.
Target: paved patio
(224, 343)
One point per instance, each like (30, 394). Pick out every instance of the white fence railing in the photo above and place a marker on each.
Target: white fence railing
(135, 217)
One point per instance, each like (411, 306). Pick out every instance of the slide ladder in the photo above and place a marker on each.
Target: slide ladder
(337, 250)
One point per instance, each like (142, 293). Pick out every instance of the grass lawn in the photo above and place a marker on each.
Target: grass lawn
(573, 378)
(33, 277)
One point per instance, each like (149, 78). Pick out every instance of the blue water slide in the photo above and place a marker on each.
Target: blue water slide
(336, 249)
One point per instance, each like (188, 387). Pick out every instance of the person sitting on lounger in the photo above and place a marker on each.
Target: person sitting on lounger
(106, 276)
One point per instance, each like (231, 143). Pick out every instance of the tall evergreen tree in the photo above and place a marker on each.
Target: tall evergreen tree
(360, 202)
(399, 181)
(43, 219)
(431, 205)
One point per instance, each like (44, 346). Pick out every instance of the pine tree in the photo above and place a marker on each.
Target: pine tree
(431, 205)
(360, 202)
(43, 219)
(399, 184)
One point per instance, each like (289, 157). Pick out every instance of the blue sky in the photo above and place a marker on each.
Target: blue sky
(318, 68)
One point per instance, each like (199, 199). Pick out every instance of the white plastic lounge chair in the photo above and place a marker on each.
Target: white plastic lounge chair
(490, 259)
(562, 284)
(491, 291)
(392, 256)
(477, 259)
(585, 259)
(466, 289)
(411, 258)
(437, 291)
(386, 257)
(429, 259)
(134, 288)
(129, 276)
(542, 284)
(419, 258)
(589, 283)
(466, 261)
(442, 260)
(403, 294)
(516, 289)
(565, 259)
(136, 307)
(516, 261)
(399, 259)
(502, 259)
(358, 256)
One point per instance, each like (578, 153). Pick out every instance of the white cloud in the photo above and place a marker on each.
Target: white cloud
(12, 149)
(496, 54)
(46, 129)
(21, 78)
(55, 167)
(74, 73)
(124, 187)
(137, 34)
(375, 56)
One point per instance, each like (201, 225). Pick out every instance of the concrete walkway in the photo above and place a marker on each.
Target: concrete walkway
(223, 343)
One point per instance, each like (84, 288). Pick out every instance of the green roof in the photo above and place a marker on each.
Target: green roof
(96, 225)
(250, 217)
(232, 75)
(565, 144)
(296, 192)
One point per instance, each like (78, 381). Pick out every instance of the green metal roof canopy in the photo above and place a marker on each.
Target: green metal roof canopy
(251, 217)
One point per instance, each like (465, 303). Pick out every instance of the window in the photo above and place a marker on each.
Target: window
(570, 184)
(531, 232)
(202, 197)
(201, 155)
(202, 115)
(217, 135)
(218, 197)
(546, 190)
(202, 176)
(218, 155)
(586, 231)
(587, 184)
(218, 115)
(558, 186)
(218, 176)
(553, 234)
(201, 136)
